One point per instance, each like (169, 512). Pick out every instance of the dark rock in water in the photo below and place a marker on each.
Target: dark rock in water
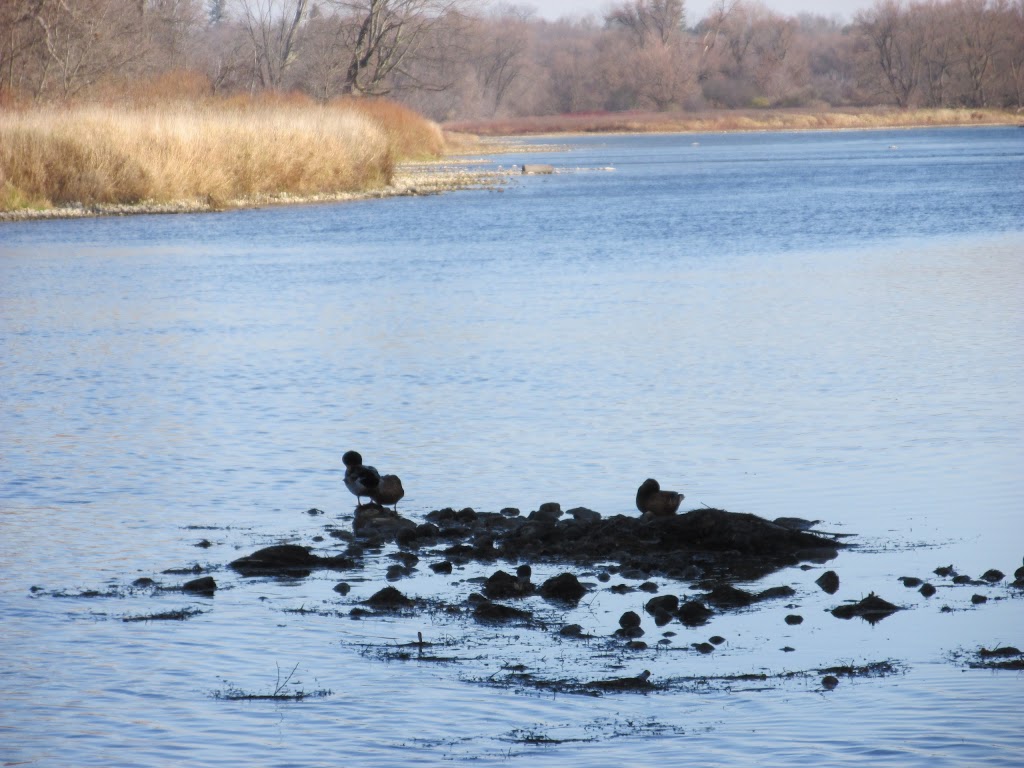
(910, 581)
(639, 683)
(488, 611)
(629, 632)
(145, 581)
(629, 619)
(388, 598)
(962, 579)
(829, 582)
(872, 609)
(993, 575)
(927, 590)
(284, 559)
(795, 523)
(583, 515)
(694, 613)
(793, 619)
(661, 617)
(716, 639)
(501, 585)
(205, 585)
(565, 587)
(1005, 650)
(380, 522)
(549, 512)
(524, 572)
(728, 596)
(648, 586)
(978, 599)
(663, 603)
(466, 515)
(408, 559)
(774, 592)
(1018, 575)
(445, 566)
(342, 587)
(314, 511)
(396, 572)
(828, 682)
(945, 570)
(704, 647)
(571, 630)
(204, 544)
(510, 512)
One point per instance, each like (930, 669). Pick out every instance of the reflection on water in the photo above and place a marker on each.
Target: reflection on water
(804, 324)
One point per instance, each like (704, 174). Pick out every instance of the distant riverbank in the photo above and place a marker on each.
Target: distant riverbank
(716, 121)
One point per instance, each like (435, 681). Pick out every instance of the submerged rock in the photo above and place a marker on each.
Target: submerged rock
(389, 598)
(565, 587)
(287, 560)
(829, 582)
(204, 585)
(872, 609)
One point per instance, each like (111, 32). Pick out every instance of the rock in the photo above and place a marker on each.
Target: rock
(993, 575)
(661, 617)
(144, 581)
(501, 585)
(910, 581)
(927, 590)
(396, 571)
(204, 544)
(205, 585)
(629, 619)
(314, 511)
(704, 647)
(584, 515)
(488, 611)
(667, 603)
(548, 512)
(510, 512)
(565, 587)
(716, 639)
(872, 609)
(829, 582)
(388, 598)
(828, 682)
(378, 522)
(466, 515)
(571, 630)
(964, 579)
(795, 523)
(342, 587)
(978, 599)
(445, 566)
(694, 613)
(793, 619)
(945, 570)
(287, 560)
(728, 596)
(648, 586)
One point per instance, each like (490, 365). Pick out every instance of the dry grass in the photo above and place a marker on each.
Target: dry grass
(222, 153)
(734, 120)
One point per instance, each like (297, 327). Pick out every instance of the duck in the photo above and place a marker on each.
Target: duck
(361, 480)
(654, 502)
(389, 491)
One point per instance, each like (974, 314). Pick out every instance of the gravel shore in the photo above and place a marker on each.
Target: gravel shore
(422, 178)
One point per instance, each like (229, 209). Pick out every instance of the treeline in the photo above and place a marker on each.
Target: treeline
(450, 59)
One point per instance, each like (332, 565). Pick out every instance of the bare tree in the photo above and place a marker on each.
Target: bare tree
(649, 20)
(273, 28)
(382, 38)
(896, 46)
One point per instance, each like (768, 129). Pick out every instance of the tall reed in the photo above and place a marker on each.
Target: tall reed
(220, 153)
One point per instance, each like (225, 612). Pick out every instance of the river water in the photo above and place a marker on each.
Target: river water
(822, 325)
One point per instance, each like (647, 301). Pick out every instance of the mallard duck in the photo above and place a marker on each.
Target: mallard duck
(654, 502)
(359, 479)
(389, 491)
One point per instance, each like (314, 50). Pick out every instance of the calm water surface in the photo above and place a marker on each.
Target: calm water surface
(821, 325)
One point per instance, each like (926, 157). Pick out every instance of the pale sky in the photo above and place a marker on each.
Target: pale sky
(697, 9)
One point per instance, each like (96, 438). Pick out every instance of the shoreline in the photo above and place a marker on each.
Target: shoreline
(455, 172)
(411, 179)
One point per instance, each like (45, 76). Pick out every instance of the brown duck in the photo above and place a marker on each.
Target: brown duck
(654, 502)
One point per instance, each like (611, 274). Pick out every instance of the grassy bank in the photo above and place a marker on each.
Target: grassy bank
(211, 154)
(734, 120)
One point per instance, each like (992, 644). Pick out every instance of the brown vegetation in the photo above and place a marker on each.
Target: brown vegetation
(217, 152)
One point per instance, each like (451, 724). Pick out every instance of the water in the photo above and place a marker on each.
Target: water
(821, 325)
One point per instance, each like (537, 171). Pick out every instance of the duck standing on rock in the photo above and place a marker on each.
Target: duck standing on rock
(654, 502)
(359, 479)
(389, 491)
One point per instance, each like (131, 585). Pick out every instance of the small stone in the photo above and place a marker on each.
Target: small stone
(704, 647)
(794, 619)
(828, 682)
(445, 566)
(204, 585)
(204, 544)
(829, 582)
(571, 630)
(648, 586)
(910, 581)
(993, 575)
(509, 512)
(962, 579)
(978, 599)
(663, 603)
(716, 639)
(565, 587)
(342, 587)
(629, 619)
(927, 590)
(945, 570)
(604, 577)
(396, 572)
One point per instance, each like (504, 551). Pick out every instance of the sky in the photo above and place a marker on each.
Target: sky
(697, 9)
